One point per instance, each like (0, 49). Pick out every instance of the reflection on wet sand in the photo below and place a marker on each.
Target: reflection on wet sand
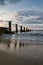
(9, 43)
(15, 43)
(21, 44)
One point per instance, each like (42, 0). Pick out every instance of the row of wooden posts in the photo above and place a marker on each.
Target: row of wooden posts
(22, 29)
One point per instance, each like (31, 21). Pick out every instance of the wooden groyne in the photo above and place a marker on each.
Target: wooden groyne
(9, 31)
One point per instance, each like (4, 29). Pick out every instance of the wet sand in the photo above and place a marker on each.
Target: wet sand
(8, 59)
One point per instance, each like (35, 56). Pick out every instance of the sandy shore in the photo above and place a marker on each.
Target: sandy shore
(7, 59)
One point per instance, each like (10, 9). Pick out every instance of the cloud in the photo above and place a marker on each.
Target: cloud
(14, 1)
(29, 17)
(2, 2)
(5, 2)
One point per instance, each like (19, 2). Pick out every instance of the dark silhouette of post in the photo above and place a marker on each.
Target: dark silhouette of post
(20, 28)
(16, 27)
(24, 29)
(9, 26)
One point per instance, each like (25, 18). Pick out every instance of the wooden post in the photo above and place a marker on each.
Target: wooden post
(24, 29)
(20, 28)
(16, 27)
(9, 26)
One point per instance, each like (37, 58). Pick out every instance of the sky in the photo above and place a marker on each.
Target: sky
(29, 13)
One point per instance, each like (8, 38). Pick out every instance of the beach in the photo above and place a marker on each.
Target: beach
(21, 32)
(21, 49)
(7, 58)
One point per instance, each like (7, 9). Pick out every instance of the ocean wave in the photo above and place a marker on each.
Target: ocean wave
(31, 34)
(36, 34)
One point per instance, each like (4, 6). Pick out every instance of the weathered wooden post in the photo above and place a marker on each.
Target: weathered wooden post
(16, 27)
(20, 28)
(9, 26)
(24, 29)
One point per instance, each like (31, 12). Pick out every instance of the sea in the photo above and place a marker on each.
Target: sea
(26, 37)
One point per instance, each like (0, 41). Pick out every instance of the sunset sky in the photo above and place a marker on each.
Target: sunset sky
(28, 12)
